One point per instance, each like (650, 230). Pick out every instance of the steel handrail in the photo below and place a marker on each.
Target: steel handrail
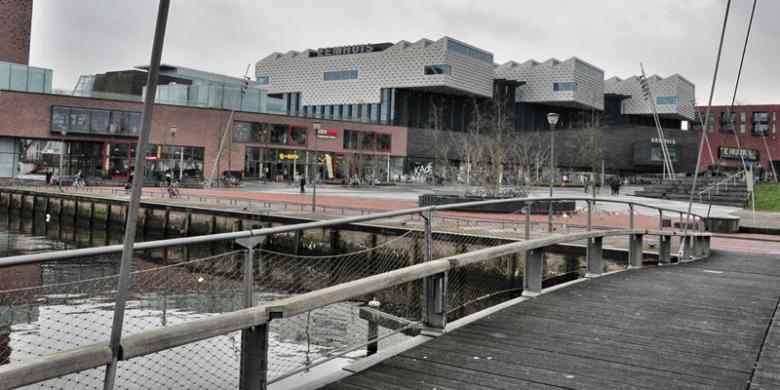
(158, 244)
(717, 184)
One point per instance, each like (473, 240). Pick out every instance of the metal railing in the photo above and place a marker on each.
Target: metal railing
(430, 277)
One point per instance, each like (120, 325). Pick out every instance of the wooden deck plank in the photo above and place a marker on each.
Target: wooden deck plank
(698, 325)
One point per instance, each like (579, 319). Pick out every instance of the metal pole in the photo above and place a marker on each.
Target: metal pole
(528, 207)
(552, 177)
(225, 133)
(135, 196)
(62, 156)
(316, 126)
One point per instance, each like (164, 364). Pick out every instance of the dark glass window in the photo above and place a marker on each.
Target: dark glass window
(760, 123)
(79, 120)
(279, 134)
(438, 69)
(351, 139)
(569, 86)
(340, 75)
(120, 122)
(242, 131)
(383, 142)
(366, 140)
(99, 121)
(263, 80)
(298, 136)
(60, 119)
(666, 100)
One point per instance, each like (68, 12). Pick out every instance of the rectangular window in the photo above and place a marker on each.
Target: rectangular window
(742, 117)
(469, 52)
(727, 118)
(88, 121)
(99, 121)
(79, 120)
(298, 136)
(589, 70)
(278, 134)
(666, 100)
(350, 139)
(760, 123)
(263, 80)
(366, 140)
(437, 69)
(60, 119)
(742, 128)
(657, 154)
(383, 142)
(340, 75)
(568, 86)
(774, 116)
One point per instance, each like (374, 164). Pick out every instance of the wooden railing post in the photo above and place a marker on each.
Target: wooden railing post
(595, 257)
(635, 251)
(528, 207)
(532, 275)
(664, 249)
(373, 330)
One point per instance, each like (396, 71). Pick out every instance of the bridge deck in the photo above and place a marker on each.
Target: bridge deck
(700, 325)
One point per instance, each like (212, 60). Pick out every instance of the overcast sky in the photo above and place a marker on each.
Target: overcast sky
(668, 36)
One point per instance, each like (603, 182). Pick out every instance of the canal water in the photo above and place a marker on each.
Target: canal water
(55, 306)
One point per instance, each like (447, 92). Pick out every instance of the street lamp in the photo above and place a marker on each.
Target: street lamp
(316, 126)
(552, 119)
(173, 131)
(62, 154)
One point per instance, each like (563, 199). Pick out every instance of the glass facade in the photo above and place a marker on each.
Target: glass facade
(437, 69)
(340, 75)
(760, 123)
(184, 161)
(91, 121)
(366, 140)
(567, 86)
(666, 100)
(216, 96)
(469, 52)
(589, 70)
(269, 133)
(17, 77)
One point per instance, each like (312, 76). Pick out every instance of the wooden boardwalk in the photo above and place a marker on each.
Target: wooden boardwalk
(711, 324)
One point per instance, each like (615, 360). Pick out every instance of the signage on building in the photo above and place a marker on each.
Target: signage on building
(327, 134)
(730, 153)
(351, 49)
(668, 141)
(283, 156)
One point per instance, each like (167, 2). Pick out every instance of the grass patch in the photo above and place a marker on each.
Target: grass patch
(767, 197)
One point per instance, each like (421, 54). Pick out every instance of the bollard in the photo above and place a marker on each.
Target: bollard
(373, 330)
(595, 257)
(532, 275)
(664, 249)
(635, 251)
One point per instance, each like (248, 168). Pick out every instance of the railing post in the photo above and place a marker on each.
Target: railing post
(550, 216)
(373, 330)
(664, 249)
(436, 301)
(595, 257)
(685, 250)
(428, 254)
(635, 251)
(254, 358)
(254, 340)
(660, 219)
(528, 207)
(532, 275)
(630, 216)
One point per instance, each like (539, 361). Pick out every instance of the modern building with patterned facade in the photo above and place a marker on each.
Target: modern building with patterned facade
(674, 96)
(380, 83)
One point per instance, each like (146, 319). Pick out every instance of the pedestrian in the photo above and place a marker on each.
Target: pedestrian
(48, 177)
(303, 184)
(586, 182)
(130, 175)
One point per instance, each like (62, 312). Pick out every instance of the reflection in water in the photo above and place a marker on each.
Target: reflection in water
(56, 306)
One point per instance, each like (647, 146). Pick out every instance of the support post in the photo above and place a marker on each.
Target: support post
(427, 216)
(75, 213)
(665, 249)
(91, 217)
(528, 207)
(166, 222)
(595, 257)
(630, 216)
(436, 301)
(590, 215)
(660, 220)
(532, 275)
(635, 252)
(254, 358)
(685, 249)
(550, 216)
(373, 330)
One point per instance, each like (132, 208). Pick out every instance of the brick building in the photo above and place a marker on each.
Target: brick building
(756, 130)
(15, 27)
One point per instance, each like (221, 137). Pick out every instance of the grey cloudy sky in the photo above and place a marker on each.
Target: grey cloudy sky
(76, 37)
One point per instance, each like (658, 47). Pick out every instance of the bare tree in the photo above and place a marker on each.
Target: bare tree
(592, 148)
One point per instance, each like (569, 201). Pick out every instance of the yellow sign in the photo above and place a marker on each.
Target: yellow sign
(283, 156)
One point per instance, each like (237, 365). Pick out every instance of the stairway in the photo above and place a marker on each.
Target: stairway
(726, 194)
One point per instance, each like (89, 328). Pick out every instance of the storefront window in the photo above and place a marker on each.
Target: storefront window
(279, 134)
(350, 139)
(366, 140)
(89, 121)
(79, 120)
(298, 136)
(383, 142)
(99, 121)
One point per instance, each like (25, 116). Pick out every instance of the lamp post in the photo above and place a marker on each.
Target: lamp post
(552, 119)
(316, 126)
(173, 131)
(62, 155)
